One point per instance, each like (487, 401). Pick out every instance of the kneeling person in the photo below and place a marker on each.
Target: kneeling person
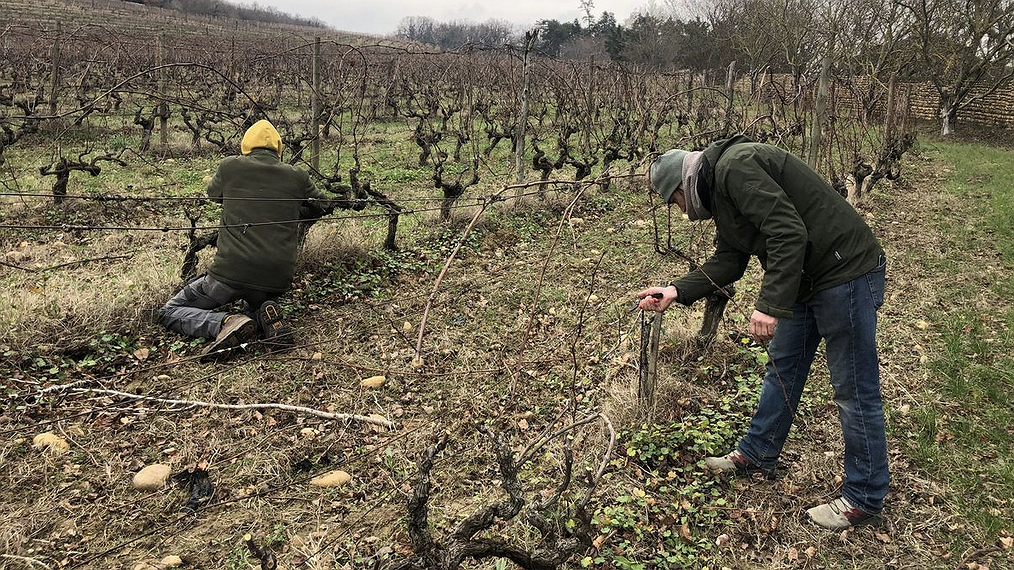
(263, 201)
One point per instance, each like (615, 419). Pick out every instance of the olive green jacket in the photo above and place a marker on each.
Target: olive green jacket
(261, 198)
(769, 203)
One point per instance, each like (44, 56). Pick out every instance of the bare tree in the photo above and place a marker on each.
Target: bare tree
(966, 49)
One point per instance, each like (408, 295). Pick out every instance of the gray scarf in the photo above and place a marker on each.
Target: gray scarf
(693, 163)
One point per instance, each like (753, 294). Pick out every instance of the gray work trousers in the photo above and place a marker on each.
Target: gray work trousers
(192, 311)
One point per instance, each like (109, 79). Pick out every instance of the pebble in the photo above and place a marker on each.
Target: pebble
(374, 382)
(171, 561)
(331, 479)
(50, 443)
(152, 477)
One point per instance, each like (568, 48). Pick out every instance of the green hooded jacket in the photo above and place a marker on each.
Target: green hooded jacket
(261, 197)
(769, 203)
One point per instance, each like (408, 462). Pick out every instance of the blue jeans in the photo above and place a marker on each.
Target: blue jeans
(192, 311)
(845, 316)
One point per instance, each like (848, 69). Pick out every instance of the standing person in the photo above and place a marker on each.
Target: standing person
(262, 200)
(823, 279)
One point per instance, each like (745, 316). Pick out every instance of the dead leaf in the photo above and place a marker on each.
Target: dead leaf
(599, 541)
(1007, 542)
(722, 540)
(51, 443)
(882, 537)
(921, 325)
(141, 354)
(523, 424)
(685, 533)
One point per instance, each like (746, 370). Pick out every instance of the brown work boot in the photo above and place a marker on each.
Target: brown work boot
(236, 329)
(276, 334)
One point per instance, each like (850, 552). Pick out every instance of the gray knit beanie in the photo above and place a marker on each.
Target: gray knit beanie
(667, 173)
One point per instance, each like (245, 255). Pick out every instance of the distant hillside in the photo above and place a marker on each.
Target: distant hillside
(222, 9)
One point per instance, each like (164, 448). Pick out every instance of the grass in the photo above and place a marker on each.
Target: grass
(963, 434)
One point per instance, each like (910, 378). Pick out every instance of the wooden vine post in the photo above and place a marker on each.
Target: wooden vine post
(522, 128)
(651, 331)
(315, 106)
(54, 77)
(163, 107)
(730, 92)
(821, 113)
(889, 118)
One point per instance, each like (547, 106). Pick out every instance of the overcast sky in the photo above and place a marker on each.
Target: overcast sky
(382, 16)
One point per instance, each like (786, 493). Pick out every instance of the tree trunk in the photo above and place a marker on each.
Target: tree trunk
(948, 115)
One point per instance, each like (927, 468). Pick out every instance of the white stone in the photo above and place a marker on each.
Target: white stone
(331, 479)
(152, 477)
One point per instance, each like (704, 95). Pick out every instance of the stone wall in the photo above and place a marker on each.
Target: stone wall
(995, 109)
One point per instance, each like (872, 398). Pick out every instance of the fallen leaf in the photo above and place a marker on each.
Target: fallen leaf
(50, 443)
(921, 325)
(141, 354)
(1007, 542)
(523, 424)
(317, 356)
(882, 537)
(599, 541)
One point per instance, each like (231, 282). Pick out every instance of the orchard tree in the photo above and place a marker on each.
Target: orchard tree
(965, 48)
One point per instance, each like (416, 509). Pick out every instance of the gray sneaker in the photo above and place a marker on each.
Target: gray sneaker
(236, 329)
(840, 514)
(736, 463)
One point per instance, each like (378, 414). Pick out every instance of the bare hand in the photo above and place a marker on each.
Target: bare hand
(762, 326)
(650, 303)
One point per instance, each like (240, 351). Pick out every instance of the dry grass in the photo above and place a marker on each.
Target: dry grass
(475, 373)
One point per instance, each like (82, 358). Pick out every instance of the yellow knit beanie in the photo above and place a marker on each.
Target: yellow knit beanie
(261, 135)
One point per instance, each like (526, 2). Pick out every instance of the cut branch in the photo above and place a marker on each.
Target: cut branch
(269, 406)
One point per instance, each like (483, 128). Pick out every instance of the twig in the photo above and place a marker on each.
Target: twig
(286, 407)
(976, 554)
(440, 278)
(83, 261)
(28, 561)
